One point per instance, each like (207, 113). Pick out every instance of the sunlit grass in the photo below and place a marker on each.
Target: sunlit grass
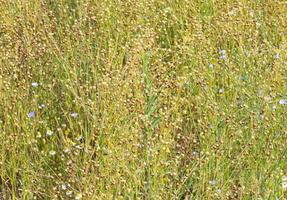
(143, 99)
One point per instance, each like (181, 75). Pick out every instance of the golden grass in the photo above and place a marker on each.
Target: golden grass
(143, 99)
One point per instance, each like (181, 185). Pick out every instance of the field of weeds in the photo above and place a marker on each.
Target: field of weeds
(143, 99)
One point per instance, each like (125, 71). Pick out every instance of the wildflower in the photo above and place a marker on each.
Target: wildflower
(233, 12)
(277, 56)
(218, 191)
(223, 57)
(282, 101)
(273, 107)
(35, 84)
(64, 186)
(49, 133)
(222, 51)
(52, 152)
(210, 66)
(222, 54)
(212, 182)
(221, 90)
(78, 196)
(32, 114)
(74, 114)
(42, 106)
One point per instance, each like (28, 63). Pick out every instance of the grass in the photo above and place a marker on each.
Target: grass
(143, 99)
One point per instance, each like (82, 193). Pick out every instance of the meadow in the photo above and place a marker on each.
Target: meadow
(143, 99)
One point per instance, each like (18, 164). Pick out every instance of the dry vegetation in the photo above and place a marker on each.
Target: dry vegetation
(143, 99)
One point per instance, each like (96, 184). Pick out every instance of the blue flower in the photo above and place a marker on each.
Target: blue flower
(32, 114)
(282, 102)
(35, 84)
(222, 54)
(223, 57)
(222, 51)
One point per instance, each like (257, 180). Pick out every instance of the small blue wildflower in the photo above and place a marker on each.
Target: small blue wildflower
(74, 114)
(35, 84)
(222, 54)
(222, 51)
(32, 114)
(282, 102)
(223, 57)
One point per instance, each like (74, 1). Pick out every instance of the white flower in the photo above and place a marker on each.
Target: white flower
(212, 182)
(64, 186)
(74, 114)
(35, 84)
(49, 133)
(221, 90)
(52, 152)
(277, 56)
